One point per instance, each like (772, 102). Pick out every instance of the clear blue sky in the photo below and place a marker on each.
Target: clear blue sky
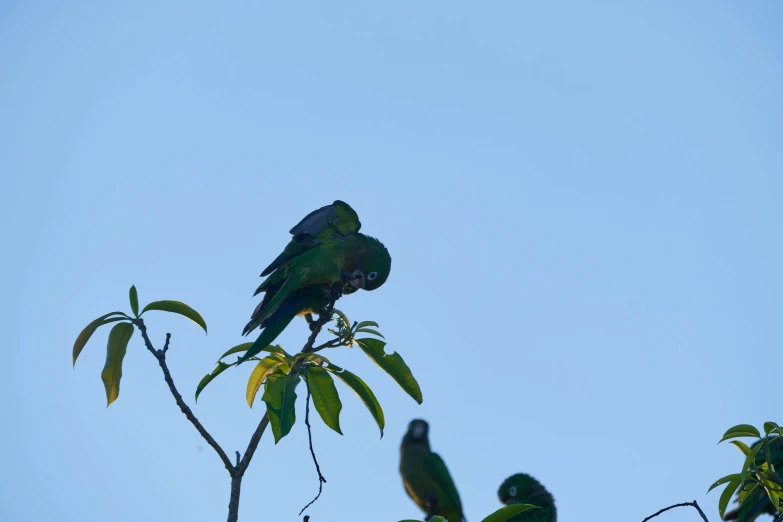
(582, 201)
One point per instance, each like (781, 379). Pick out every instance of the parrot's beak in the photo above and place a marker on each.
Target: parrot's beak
(357, 278)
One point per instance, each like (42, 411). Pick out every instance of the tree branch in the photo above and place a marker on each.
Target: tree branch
(694, 504)
(321, 479)
(160, 355)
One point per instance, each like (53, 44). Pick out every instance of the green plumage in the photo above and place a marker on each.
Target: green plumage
(524, 489)
(326, 248)
(425, 476)
(758, 502)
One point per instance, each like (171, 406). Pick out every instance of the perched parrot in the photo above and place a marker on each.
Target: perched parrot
(425, 477)
(759, 503)
(327, 248)
(524, 489)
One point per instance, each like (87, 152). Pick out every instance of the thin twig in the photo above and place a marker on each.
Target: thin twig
(160, 355)
(334, 343)
(694, 504)
(321, 479)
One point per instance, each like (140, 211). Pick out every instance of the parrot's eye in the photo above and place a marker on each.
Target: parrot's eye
(372, 275)
(512, 491)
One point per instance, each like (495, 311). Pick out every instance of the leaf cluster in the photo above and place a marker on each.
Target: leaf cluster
(280, 373)
(120, 335)
(758, 476)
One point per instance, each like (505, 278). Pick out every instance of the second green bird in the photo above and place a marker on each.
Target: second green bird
(425, 476)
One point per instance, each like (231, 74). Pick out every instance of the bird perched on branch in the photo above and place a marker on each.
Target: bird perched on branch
(425, 476)
(524, 489)
(756, 502)
(326, 249)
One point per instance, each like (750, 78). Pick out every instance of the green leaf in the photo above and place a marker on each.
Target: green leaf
(740, 430)
(770, 427)
(506, 512)
(134, 300)
(221, 367)
(369, 331)
(742, 446)
(115, 353)
(393, 364)
(344, 318)
(750, 458)
(363, 391)
(364, 324)
(265, 367)
(772, 491)
(85, 334)
(236, 349)
(246, 346)
(325, 397)
(280, 397)
(316, 358)
(725, 497)
(177, 307)
(727, 478)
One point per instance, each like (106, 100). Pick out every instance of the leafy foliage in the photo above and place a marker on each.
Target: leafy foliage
(319, 372)
(758, 476)
(120, 336)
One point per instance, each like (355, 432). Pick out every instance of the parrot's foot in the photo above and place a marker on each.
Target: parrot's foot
(310, 321)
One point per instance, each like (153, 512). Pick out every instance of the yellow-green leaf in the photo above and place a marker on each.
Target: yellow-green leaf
(393, 364)
(741, 445)
(236, 349)
(280, 398)
(85, 334)
(134, 300)
(265, 367)
(177, 307)
(325, 397)
(221, 367)
(115, 353)
(343, 317)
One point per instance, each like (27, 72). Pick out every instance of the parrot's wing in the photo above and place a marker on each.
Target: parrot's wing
(339, 215)
(440, 475)
(314, 267)
(316, 228)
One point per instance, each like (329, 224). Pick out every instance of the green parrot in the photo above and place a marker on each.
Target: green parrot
(524, 489)
(425, 477)
(326, 248)
(759, 503)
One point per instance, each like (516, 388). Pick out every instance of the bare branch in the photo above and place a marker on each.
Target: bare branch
(160, 355)
(321, 479)
(694, 504)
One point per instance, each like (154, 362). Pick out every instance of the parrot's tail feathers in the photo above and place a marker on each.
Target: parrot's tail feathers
(274, 327)
(731, 515)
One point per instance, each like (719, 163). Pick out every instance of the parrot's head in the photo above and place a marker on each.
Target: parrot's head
(372, 265)
(418, 432)
(524, 489)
